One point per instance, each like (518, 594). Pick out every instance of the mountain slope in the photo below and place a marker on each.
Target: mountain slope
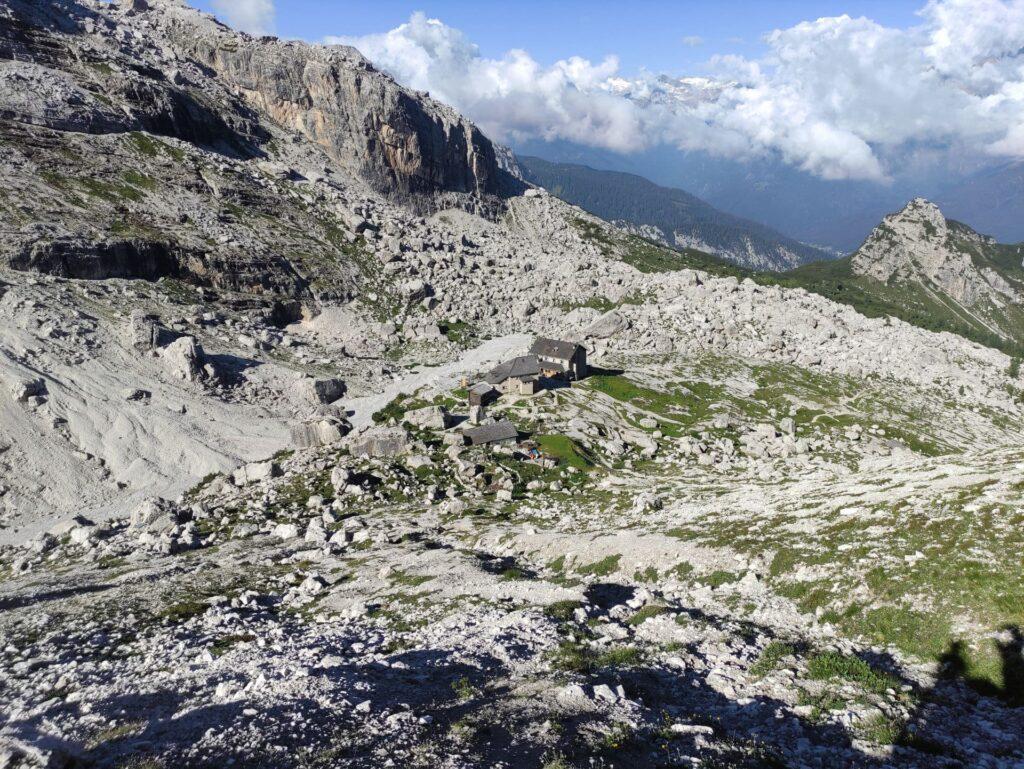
(668, 215)
(193, 78)
(146, 140)
(225, 259)
(837, 214)
(917, 266)
(931, 271)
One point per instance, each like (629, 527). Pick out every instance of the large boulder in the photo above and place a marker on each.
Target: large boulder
(381, 442)
(184, 359)
(416, 290)
(321, 391)
(145, 332)
(320, 432)
(23, 388)
(429, 417)
(609, 324)
(156, 515)
(255, 472)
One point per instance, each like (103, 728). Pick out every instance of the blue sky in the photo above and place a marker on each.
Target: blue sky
(643, 33)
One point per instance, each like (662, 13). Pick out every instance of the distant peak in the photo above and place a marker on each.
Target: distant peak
(919, 245)
(918, 205)
(918, 212)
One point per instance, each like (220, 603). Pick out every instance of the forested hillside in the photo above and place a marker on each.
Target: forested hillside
(671, 216)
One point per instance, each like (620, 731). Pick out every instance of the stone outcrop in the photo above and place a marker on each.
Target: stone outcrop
(321, 390)
(609, 324)
(184, 359)
(380, 442)
(429, 417)
(319, 432)
(919, 244)
(145, 332)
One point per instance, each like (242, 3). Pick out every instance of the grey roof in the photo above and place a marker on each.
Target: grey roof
(492, 433)
(481, 388)
(521, 368)
(553, 348)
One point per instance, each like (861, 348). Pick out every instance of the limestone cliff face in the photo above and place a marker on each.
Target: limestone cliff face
(399, 140)
(919, 244)
(143, 139)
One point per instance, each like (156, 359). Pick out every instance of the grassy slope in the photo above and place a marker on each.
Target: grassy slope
(916, 304)
(923, 557)
(909, 302)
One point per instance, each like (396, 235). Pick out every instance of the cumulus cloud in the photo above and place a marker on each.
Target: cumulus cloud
(693, 41)
(512, 97)
(253, 16)
(837, 97)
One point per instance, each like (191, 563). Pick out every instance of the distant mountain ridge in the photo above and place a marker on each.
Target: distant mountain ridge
(671, 216)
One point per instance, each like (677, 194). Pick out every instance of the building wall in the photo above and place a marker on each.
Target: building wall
(575, 367)
(481, 400)
(580, 363)
(560, 361)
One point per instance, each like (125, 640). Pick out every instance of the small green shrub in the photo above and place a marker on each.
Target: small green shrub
(719, 578)
(182, 611)
(223, 644)
(601, 568)
(619, 657)
(463, 688)
(620, 736)
(830, 666)
(770, 658)
(645, 613)
(881, 729)
(555, 761)
(561, 611)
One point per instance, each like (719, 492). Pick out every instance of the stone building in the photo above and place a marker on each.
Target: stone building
(560, 359)
(517, 376)
(502, 431)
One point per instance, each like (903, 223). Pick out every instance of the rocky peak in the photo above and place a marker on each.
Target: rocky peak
(919, 244)
(891, 248)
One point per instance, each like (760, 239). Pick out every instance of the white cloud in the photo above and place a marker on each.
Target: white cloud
(693, 41)
(838, 97)
(511, 97)
(253, 16)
